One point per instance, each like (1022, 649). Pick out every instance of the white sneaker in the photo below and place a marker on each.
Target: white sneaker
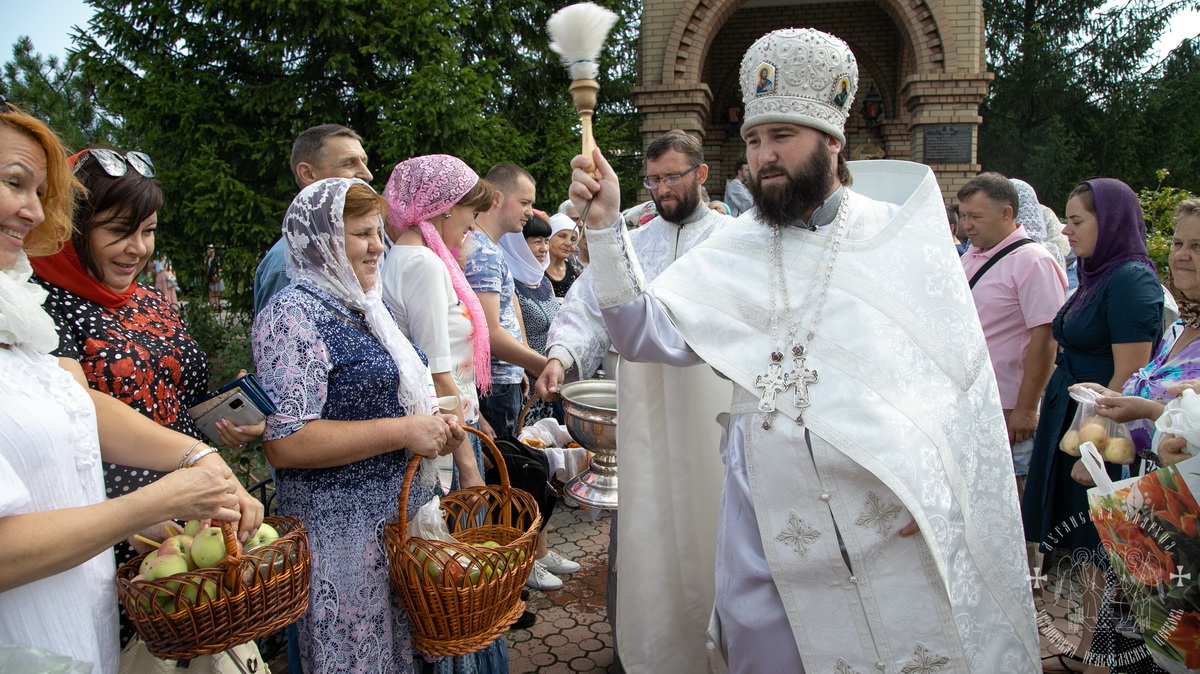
(541, 579)
(557, 564)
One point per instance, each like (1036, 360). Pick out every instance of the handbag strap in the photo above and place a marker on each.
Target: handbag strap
(996, 258)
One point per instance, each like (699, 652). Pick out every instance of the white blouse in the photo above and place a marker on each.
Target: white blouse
(417, 288)
(50, 459)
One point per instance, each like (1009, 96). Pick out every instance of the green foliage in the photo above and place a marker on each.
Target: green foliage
(57, 92)
(1075, 96)
(217, 91)
(1158, 204)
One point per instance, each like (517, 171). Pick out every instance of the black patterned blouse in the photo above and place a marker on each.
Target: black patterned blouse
(572, 272)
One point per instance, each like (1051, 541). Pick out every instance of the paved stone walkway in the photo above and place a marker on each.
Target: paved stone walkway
(572, 633)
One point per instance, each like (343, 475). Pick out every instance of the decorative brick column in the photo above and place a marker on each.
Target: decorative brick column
(944, 124)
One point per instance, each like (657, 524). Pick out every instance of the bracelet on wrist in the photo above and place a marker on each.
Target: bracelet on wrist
(184, 461)
(200, 455)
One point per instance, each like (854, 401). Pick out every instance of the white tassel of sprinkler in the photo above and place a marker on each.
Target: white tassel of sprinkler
(577, 33)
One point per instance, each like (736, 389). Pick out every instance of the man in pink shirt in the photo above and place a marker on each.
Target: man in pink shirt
(1018, 289)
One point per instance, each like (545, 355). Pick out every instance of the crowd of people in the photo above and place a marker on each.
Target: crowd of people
(852, 487)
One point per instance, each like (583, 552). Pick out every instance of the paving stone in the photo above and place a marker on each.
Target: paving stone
(591, 645)
(573, 615)
(583, 665)
(555, 641)
(569, 652)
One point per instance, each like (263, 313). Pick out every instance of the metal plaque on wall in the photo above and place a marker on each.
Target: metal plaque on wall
(947, 144)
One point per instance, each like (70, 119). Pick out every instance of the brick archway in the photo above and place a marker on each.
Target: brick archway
(924, 57)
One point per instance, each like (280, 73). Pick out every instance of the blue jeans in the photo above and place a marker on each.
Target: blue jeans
(502, 408)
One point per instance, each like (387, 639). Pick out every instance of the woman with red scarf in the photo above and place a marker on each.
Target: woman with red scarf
(130, 342)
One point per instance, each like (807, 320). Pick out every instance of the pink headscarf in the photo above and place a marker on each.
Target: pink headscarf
(420, 188)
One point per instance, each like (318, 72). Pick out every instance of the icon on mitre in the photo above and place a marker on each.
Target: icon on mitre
(766, 79)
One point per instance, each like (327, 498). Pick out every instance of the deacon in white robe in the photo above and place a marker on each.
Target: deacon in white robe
(667, 440)
(888, 416)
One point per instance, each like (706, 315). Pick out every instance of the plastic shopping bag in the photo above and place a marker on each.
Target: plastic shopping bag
(1112, 439)
(1182, 418)
(1148, 526)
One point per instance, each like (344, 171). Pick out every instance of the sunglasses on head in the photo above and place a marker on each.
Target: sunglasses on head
(7, 105)
(114, 163)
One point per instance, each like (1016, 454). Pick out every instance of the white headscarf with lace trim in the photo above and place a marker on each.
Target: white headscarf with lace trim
(1030, 215)
(315, 231)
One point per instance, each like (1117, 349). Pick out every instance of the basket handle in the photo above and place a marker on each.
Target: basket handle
(411, 471)
(525, 410)
(232, 552)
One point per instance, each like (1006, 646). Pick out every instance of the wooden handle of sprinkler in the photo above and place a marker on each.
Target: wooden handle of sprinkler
(583, 92)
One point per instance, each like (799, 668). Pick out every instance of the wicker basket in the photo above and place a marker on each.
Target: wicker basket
(462, 596)
(254, 593)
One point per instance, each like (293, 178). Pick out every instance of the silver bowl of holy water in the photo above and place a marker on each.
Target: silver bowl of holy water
(590, 410)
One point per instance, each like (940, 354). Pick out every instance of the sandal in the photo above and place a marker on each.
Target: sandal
(1064, 660)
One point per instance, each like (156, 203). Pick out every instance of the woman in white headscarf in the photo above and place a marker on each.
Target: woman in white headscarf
(564, 242)
(528, 255)
(355, 405)
(1030, 215)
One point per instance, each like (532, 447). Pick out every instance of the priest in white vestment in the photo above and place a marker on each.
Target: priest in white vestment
(868, 521)
(667, 438)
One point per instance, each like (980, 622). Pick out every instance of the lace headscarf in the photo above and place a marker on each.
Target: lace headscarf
(420, 188)
(1054, 229)
(1030, 215)
(315, 232)
(1120, 238)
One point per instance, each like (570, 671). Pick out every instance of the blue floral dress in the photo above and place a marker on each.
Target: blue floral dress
(317, 360)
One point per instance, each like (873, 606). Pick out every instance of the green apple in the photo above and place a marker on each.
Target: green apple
(175, 545)
(265, 534)
(145, 565)
(194, 597)
(178, 545)
(490, 544)
(473, 574)
(194, 527)
(208, 548)
(433, 570)
(496, 569)
(165, 566)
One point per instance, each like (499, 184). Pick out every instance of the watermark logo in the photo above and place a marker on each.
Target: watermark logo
(1061, 589)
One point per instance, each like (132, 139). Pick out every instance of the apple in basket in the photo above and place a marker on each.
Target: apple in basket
(516, 557)
(193, 527)
(196, 596)
(265, 535)
(208, 548)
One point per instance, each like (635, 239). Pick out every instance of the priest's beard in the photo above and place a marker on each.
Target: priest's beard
(781, 205)
(683, 206)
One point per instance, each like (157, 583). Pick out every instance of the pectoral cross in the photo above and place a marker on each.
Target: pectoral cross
(800, 377)
(772, 382)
